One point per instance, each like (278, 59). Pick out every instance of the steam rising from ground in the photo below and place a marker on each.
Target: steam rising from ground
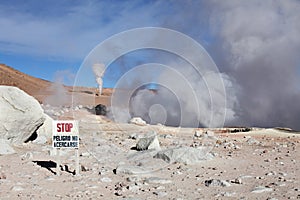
(256, 46)
(181, 96)
(99, 70)
(59, 94)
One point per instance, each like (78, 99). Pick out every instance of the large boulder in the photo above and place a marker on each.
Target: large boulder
(20, 115)
(5, 147)
(44, 133)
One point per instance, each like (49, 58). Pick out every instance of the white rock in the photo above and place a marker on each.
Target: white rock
(210, 133)
(198, 133)
(150, 142)
(5, 148)
(131, 170)
(157, 180)
(160, 193)
(133, 188)
(138, 121)
(105, 180)
(17, 188)
(21, 115)
(261, 189)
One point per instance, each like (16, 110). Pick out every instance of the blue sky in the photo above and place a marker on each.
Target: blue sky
(255, 43)
(43, 37)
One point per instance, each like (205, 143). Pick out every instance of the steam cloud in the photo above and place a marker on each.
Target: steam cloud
(259, 45)
(59, 94)
(256, 46)
(99, 70)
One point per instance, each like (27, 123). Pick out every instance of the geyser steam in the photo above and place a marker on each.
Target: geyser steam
(99, 70)
(182, 96)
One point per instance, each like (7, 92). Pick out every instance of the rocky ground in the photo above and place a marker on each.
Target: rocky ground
(258, 164)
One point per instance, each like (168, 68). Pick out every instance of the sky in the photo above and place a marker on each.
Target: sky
(43, 37)
(254, 43)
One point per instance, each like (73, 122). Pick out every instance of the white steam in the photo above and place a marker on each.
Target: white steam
(186, 104)
(258, 43)
(99, 70)
(182, 97)
(58, 93)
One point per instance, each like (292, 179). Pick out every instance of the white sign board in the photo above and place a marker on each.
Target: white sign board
(65, 134)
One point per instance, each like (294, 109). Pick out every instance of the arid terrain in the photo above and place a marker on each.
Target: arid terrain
(224, 163)
(42, 89)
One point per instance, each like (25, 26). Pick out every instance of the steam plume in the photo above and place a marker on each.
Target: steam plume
(99, 70)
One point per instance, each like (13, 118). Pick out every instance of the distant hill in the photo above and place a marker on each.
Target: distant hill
(30, 84)
(42, 89)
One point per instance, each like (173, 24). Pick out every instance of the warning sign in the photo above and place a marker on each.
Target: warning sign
(65, 134)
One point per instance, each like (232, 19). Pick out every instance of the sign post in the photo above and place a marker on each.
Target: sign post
(66, 136)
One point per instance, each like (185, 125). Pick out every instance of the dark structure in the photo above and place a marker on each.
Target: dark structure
(100, 109)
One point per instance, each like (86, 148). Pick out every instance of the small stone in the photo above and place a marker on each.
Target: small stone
(17, 188)
(160, 187)
(133, 179)
(210, 133)
(198, 133)
(217, 182)
(146, 143)
(237, 181)
(160, 193)
(124, 169)
(133, 136)
(105, 180)
(272, 173)
(85, 154)
(133, 187)
(50, 178)
(157, 180)
(138, 121)
(282, 173)
(259, 177)
(226, 194)
(261, 189)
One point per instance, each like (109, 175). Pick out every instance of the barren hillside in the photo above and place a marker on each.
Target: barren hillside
(42, 89)
(31, 85)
